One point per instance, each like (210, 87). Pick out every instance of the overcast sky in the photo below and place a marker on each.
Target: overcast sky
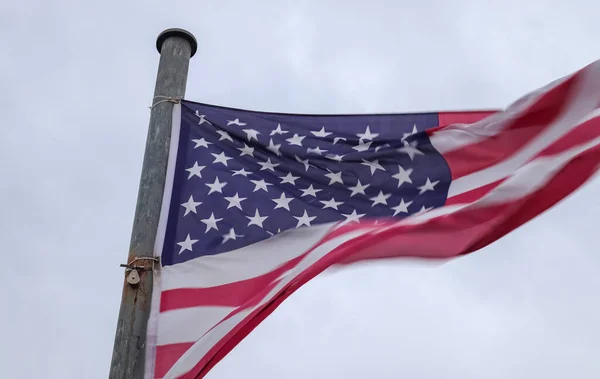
(77, 78)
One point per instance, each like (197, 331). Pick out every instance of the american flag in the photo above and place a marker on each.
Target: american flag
(256, 204)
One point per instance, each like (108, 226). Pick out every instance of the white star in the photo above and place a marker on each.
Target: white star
(336, 139)
(235, 201)
(230, 236)
(278, 131)
(246, 150)
(216, 186)
(201, 142)
(251, 133)
(187, 244)
(367, 134)
(257, 219)
(352, 217)
(195, 170)
(211, 222)
(296, 140)
(202, 118)
(310, 191)
(304, 162)
(221, 158)
(428, 186)
(274, 148)
(335, 178)
(335, 157)
(190, 205)
(235, 122)
(359, 188)
(331, 204)
(403, 175)
(268, 165)
(410, 149)
(374, 166)
(241, 172)
(305, 219)
(260, 185)
(362, 146)
(224, 135)
(402, 207)
(283, 202)
(380, 199)
(321, 133)
(289, 178)
(316, 150)
(406, 135)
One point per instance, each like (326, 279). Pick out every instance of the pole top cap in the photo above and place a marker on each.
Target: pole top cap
(176, 32)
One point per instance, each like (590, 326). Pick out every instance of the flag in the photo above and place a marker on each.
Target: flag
(257, 203)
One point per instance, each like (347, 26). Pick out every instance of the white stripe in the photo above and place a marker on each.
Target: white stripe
(584, 102)
(152, 327)
(593, 114)
(244, 263)
(193, 355)
(167, 192)
(188, 324)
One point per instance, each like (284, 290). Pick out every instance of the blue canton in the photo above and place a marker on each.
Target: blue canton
(243, 176)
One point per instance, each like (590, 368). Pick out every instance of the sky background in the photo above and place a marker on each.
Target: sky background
(77, 78)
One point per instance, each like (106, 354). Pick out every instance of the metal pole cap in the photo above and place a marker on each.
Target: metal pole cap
(176, 32)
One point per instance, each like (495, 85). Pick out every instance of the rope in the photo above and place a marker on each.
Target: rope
(169, 99)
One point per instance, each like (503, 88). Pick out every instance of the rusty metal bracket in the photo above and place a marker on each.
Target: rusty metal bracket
(131, 269)
(131, 265)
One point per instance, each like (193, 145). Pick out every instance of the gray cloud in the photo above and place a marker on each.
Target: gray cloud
(77, 80)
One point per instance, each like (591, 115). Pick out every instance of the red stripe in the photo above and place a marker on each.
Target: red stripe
(226, 295)
(518, 133)
(448, 118)
(459, 233)
(167, 355)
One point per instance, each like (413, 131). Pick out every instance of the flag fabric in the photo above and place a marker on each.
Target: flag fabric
(256, 203)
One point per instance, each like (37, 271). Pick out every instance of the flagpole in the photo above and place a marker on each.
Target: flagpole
(176, 47)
